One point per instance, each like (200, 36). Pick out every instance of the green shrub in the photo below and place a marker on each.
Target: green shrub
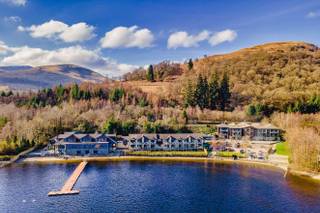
(5, 157)
(230, 154)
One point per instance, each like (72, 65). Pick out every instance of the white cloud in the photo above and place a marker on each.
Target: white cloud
(313, 14)
(183, 39)
(222, 36)
(77, 32)
(59, 30)
(15, 2)
(78, 55)
(47, 30)
(12, 19)
(126, 37)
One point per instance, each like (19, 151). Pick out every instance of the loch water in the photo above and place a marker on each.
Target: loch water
(158, 186)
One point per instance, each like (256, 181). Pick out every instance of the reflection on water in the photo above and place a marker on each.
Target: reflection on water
(159, 186)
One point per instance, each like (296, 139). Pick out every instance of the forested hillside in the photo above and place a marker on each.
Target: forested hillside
(275, 73)
(282, 76)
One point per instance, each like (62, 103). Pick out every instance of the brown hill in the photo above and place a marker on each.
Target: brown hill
(268, 48)
(273, 73)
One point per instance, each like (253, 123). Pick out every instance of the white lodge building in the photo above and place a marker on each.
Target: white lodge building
(174, 142)
(251, 131)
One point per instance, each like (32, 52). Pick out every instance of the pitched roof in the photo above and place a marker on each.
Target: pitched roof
(81, 135)
(65, 135)
(165, 136)
(248, 124)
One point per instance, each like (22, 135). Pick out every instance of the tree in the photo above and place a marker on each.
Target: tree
(190, 64)
(3, 121)
(213, 92)
(86, 126)
(9, 93)
(116, 94)
(251, 110)
(198, 91)
(189, 95)
(86, 94)
(224, 92)
(112, 126)
(205, 92)
(150, 74)
(60, 92)
(185, 117)
(75, 92)
(100, 94)
(128, 127)
(201, 92)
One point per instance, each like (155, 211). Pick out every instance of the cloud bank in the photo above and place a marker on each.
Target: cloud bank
(223, 36)
(58, 30)
(78, 55)
(183, 39)
(127, 37)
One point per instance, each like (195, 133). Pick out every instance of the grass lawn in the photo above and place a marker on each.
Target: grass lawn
(6, 157)
(230, 154)
(169, 153)
(282, 148)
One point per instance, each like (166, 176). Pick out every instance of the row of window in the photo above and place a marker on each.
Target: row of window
(84, 146)
(166, 141)
(87, 139)
(152, 146)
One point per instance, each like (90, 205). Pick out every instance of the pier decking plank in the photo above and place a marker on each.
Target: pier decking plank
(67, 187)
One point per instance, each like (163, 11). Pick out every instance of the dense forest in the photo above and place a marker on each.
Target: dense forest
(31, 118)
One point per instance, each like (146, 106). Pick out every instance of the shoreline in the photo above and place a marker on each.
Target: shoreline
(50, 160)
(56, 160)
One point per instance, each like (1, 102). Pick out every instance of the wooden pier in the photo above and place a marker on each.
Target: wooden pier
(67, 188)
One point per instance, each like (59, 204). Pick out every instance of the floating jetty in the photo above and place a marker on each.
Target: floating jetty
(68, 186)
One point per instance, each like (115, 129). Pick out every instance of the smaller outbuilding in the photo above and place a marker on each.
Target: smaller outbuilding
(250, 131)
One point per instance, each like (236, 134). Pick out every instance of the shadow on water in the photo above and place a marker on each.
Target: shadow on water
(304, 185)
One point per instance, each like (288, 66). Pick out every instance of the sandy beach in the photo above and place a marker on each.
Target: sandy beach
(44, 160)
(264, 164)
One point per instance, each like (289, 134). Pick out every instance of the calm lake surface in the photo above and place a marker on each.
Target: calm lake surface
(156, 187)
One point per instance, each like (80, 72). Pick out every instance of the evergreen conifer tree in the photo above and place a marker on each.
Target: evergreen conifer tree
(189, 95)
(75, 92)
(213, 92)
(190, 64)
(150, 73)
(224, 92)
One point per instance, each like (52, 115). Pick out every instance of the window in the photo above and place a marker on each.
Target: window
(78, 152)
(95, 152)
(87, 152)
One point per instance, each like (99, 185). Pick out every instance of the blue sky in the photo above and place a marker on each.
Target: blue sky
(113, 37)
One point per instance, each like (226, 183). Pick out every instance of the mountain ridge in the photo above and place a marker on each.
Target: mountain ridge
(27, 77)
